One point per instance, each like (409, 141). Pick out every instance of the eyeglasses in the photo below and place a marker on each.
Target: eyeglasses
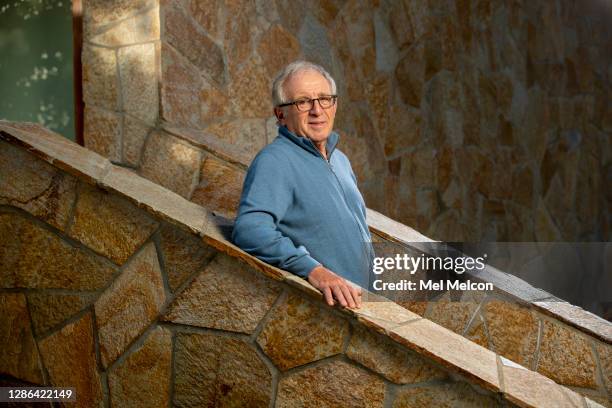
(306, 104)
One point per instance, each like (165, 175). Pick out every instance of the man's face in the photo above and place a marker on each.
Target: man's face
(317, 123)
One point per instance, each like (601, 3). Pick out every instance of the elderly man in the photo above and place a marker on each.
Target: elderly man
(300, 208)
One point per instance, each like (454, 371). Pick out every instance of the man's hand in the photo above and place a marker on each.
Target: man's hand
(333, 286)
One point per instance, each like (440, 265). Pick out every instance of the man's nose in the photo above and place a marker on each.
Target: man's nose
(316, 108)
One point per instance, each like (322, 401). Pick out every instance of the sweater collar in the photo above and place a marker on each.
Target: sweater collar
(306, 144)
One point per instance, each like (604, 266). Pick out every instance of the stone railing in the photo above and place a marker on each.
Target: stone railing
(520, 322)
(131, 294)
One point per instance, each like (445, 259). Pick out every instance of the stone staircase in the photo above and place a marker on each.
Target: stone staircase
(133, 295)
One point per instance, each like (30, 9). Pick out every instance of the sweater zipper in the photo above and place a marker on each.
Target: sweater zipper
(331, 169)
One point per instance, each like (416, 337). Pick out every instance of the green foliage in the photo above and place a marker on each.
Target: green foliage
(36, 63)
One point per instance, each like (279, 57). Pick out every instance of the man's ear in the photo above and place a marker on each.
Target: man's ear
(278, 112)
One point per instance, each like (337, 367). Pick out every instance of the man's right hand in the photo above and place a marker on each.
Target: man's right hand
(333, 286)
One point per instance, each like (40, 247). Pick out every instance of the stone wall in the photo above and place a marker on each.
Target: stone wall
(131, 294)
(470, 120)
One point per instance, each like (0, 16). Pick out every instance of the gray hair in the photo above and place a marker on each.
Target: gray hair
(278, 93)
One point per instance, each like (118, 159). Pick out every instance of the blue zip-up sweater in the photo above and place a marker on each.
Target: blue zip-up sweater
(299, 210)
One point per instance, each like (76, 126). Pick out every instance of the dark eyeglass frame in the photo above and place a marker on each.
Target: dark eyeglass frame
(333, 99)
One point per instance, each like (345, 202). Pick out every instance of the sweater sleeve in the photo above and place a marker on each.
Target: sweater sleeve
(266, 197)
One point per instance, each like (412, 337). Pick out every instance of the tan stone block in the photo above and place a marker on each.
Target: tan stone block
(33, 257)
(353, 81)
(404, 130)
(143, 378)
(472, 162)
(450, 350)
(130, 304)
(578, 317)
(181, 85)
(211, 370)
(183, 34)
(415, 306)
(445, 170)
(456, 394)
(527, 388)
(390, 194)
(207, 14)
(49, 309)
(183, 253)
(18, 354)
(177, 70)
(159, 201)
(470, 102)
(277, 48)
(513, 330)
(248, 80)
(140, 28)
(378, 94)
(214, 103)
(454, 315)
(393, 362)
(407, 208)
(410, 74)
(566, 356)
(432, 55)
(427, 207)
(505, 92)
(98, 12)
(36, 187)
(588, 189)
(180, 107)
(171, 162)
(401, 26)
(367, 157)
(421, 18)
(534, 137)
(355, 22)
(271, 129)
(419, 168)
(476, 332)
(100, 81)
(139, 89)
(523, 186)
(448, 227)
(332, 384)
(102, 132)
(134, 135)
(446, 118)
(505, 132)
(519, 223)
(291, 13)
(70, 359)
(382, 314)
(321, 333)
(448, 32)
(55, 149)
(220, 187)
(545, 228)
(325, 11)
(239, 32)
(227, 295)
(248, 135)
(109, 224)
(452, 196)
(604, 351)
